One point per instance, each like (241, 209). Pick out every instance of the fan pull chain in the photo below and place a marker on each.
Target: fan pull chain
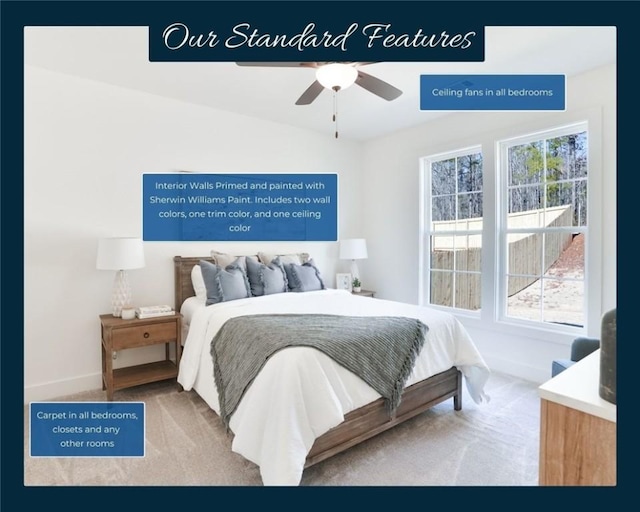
(335, 108)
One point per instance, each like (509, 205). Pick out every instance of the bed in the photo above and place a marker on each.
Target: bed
(326, 409)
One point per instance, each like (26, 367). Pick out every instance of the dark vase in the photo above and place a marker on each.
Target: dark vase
(608, 357)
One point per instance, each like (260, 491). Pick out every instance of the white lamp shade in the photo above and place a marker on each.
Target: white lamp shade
(120, 254)
(353, 249)
(336, 75)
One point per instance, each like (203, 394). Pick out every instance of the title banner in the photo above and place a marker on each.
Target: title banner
(328, 35)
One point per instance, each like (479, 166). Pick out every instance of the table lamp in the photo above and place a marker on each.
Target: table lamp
(353, 249)
(120, 254)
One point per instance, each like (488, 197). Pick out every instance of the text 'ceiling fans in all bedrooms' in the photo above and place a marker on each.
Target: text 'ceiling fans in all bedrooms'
(335, 76)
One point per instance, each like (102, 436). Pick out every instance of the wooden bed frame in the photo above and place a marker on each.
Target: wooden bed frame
(367, 421)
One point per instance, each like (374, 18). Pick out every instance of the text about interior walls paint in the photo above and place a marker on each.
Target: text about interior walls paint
(493, 92)
(86, 429)
(240, 207)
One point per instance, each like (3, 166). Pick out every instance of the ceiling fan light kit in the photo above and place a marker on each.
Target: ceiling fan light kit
(336, 76)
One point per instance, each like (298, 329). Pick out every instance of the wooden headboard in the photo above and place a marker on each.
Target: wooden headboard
(182, 272)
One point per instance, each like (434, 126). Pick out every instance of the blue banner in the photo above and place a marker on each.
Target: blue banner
(492, 92)
(87, 429)
(240, 207)
(282, 31)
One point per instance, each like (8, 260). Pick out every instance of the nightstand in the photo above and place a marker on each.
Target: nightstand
(364, 293)
(119, 334)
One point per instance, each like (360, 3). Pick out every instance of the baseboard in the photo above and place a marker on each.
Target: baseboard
(517, 369)
(61, 388)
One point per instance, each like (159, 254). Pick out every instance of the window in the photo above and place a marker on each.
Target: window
(543, 226)
(452, 217)
(517, 244)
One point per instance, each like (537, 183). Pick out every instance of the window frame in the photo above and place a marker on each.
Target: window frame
(488, 320)
(502, 207)
(426, 205)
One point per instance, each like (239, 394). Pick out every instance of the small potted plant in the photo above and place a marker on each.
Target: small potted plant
(357, 285)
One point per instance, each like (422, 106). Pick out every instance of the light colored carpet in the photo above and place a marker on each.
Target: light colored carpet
(494, 444)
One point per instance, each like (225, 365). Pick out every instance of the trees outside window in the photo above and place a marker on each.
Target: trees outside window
(454, 228)
(544, 226)
(540, 220)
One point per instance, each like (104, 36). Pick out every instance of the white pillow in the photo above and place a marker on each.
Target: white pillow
(298, 258)
(198, 283)
(224, 260)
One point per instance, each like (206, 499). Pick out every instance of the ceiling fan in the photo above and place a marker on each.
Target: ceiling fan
(335, 76)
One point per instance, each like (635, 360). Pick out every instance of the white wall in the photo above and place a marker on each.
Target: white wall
(87, 144)
(86, 147)
(392, 200)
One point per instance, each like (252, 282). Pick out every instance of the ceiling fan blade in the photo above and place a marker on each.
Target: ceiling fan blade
(312, 92)
(280, 64)
(377, 86)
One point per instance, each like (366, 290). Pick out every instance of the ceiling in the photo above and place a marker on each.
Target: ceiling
(119, 56)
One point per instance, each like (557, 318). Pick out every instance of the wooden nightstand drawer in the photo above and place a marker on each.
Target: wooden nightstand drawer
(119, 334)
(141, 335)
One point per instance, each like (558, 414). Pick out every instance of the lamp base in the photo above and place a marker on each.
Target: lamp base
(122, 295)
(354, 270)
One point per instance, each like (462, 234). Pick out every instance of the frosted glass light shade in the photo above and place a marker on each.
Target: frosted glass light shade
(336, 75)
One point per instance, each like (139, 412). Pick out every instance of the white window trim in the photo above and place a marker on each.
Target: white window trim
(502, 277)
(424, 276)
(487, 319)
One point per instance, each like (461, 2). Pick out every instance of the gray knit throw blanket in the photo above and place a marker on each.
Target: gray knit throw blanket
(380, 350)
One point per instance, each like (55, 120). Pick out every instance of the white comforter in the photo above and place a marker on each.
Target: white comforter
(301, 393)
